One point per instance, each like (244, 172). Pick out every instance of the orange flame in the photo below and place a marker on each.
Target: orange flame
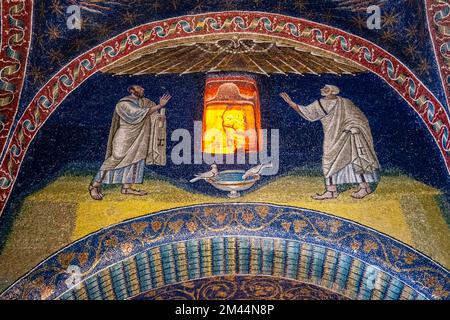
(231, 118)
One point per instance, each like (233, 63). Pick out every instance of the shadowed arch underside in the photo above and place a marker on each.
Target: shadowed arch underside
(240, 288)
(240, 243)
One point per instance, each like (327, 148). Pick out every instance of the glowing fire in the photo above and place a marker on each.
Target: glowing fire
(231, 118)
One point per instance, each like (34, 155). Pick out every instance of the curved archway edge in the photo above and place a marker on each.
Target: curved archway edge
(200, 241)
(339, 42)
(203, 258)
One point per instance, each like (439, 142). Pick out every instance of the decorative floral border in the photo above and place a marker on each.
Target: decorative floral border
(15, 39)
(240, 288)
(357, 49)
(438, 14)
(117, 243)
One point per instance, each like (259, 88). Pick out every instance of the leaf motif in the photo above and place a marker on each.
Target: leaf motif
(208, 211)
(286, 225)
(189, 285)
(263, 211)
(139, 227)
(299, 225)
(83, 258)
(126, 248)
(220, 217)
(156, 225)
(64, 259)
(46, 292)
(355, 246)
(175, 226)
(192, 226)
(396, 252)
(321, 224)
(410, 258)
(334, 226)
(370, 246)
(248, 217)
(111, 242)
(431, 281)
(439, 292)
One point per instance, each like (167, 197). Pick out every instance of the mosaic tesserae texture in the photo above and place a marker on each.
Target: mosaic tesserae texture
(206, 149)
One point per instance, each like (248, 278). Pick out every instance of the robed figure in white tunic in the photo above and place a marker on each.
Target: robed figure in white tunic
(136, 139)
(348, 153)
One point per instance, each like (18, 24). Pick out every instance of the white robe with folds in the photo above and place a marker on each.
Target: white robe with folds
(136, 136)
(347, 158)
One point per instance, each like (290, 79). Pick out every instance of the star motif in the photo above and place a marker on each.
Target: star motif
(40, 39)
(42, 10)
(77, 44)
(411, 31)
(156, 6)
(388, 36)
(424, 66)
(257, 2)
(56, 7)
(328, 16)
(423, 35)
(86, 22)
(102, 31)
(55, 56)
(53, 32)
(37, 75)
(230, 4)
(390, 19)
(129, 17)
(410, 50)
(310, 14)
(359, 21)
(280, 6)
(199, 6)
(300, 4)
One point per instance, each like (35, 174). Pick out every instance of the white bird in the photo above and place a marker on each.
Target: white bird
(206, 175)
(256, 171)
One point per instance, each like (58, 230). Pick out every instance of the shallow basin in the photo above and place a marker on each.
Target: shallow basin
(231, 181)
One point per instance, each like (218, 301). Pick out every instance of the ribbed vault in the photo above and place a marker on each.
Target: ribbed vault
(233, 52)
(179, 247)
(337, 274)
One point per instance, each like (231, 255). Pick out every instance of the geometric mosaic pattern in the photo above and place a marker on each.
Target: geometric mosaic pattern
(240, 288)
(204, 241)
(208, 257)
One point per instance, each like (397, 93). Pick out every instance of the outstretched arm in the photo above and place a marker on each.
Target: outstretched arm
(289, 101)
(162, 103)
(311, 112)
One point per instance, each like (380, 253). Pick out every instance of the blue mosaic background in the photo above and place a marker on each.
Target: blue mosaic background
(403, 22)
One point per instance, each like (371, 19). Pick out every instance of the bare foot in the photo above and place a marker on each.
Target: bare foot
(362, 193)
(326, 196)
(134, 192)
(95, 193)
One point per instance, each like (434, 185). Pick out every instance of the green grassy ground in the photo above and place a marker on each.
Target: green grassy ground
(63, 212)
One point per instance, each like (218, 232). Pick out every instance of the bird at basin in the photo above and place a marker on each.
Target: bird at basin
(256, 171)
(206, 175)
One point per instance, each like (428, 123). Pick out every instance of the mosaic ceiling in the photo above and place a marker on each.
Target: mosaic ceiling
(404, 31)
(233, 64)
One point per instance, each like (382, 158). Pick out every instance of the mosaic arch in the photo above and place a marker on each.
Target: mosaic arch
(16, 17)
(320, 36)
(438, 13)
(235, 245)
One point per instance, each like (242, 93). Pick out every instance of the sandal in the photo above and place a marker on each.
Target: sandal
(95, 193)
(134, 192)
